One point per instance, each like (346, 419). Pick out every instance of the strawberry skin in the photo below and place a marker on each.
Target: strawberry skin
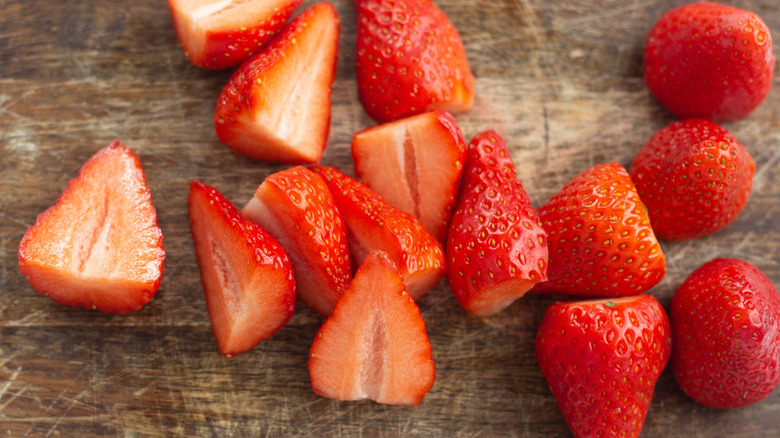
(99, 245)
(375, 344)
(602, 359)
(726, 328)
(410, 59)
(599, 237)
(415, 164)
(296, 207)
(496, 246)
(694, 178)
(219, 34)
(276, 105)
(247, 277)
(709, 61)
(374, 224)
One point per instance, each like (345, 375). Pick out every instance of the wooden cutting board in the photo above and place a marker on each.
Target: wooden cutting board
(562, 81)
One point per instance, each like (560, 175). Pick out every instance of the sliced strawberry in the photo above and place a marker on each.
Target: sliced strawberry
(375, 224)
(410, 59)
(276, 106)
(375, 343)
(99, 245)
(415, 164)
(220, 34)
(296, 207)
(496, 247)
(247, 277)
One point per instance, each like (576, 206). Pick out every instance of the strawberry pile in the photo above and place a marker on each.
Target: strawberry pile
(426, 205)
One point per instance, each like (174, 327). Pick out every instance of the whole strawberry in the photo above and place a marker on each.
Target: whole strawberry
(709, 60)
(694, 178)
(726, 325)
(602, 359)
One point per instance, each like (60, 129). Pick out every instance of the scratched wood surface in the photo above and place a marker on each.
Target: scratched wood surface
(560, 80)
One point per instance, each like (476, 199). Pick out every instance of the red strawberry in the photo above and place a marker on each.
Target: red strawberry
(415, 164)
(276, 106)
(375, 224)
(602, 359)
(694, 178)
(219, 34)
(247, 277)
(496, 248)
(726, 323)
(710, 61)
(295, 206)
(599, 237)
(375, 344)
(99, 245)
(410, 59)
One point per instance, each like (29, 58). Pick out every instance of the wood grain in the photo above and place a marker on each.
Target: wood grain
(562, 81)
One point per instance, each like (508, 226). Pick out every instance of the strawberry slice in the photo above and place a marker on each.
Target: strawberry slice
(99, 245)
(296, 207)
(276, 106)
(219, 34)
(496, 247)
(415, 164)
(375, 343)
(375, 224)
(247, 277)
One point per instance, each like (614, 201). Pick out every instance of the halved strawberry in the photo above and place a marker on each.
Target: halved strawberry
(296, 207)
(415, 164)
(375, 343)
(276, 106)
(247, 277)
(220, 34)
(375, 224)
(99, 245)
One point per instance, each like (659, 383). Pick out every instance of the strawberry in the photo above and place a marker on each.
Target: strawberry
(410, 59)
(375, 343)
(415, 164)
(709, 61)
(726, 328)
(99, 245)
(219, 34)
(247, 277)
(496, 247)
(374, 224)
(296, 207)
(276, 106)
(601, 359)
(694, 178)
(599, 237)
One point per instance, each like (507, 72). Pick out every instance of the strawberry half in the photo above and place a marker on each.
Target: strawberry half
(496, 247)
(415, 164)
(375, 343)
(247, 277)
(374, 224)
(296, 207)
(276, 106)
(410, 59)
(602, 359)
(694, 178)
(726, 325)
(220, 34)
(599, 237)
(99, 245)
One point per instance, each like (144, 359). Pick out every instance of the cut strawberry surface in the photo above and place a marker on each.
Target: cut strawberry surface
(276, 106)
(415, 164)
(219, 34)
(247, 277)
(99, 245)
(375, 343)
